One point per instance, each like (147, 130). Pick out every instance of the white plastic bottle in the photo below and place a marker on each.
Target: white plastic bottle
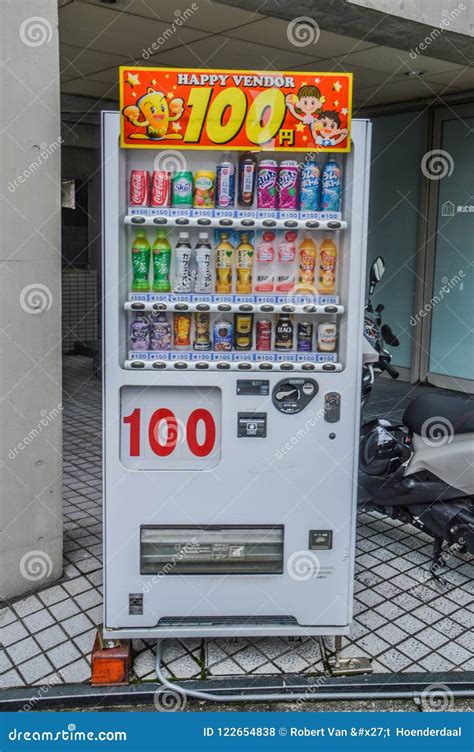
(203, 283)
(183, 281)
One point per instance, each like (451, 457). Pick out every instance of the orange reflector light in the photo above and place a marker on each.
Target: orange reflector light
(111, 665)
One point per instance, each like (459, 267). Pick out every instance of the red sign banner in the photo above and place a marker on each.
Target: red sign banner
(189, 108)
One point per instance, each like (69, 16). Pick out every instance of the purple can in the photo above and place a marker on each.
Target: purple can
(267, 184)
(288, 185)
(225, 185)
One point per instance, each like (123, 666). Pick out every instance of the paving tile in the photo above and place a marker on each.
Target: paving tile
(76, 624)
(5, 662)
(85, 641)
(53, 595)
(50, 637)
(11, 679)
(454, 653)
(89, 599)
(21, 651)
(7, 616)
(35, 669)
(63, 654)
(77, 672)
(394, 660)
(77, 585)
(27, 606)
(13, 632)
(64, 610)
(449, 627)
(38, 620)
(413, 648)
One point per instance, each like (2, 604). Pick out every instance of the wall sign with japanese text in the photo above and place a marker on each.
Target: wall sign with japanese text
(190, 108)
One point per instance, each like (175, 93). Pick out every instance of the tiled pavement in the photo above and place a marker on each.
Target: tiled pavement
(404, 620)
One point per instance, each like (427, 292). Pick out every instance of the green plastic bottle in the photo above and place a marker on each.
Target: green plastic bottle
(161, 263)
(141, 262)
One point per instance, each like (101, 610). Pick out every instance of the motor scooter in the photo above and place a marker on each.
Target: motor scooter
(419, 470)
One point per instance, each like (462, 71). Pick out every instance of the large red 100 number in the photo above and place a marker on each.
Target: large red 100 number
(169, 418)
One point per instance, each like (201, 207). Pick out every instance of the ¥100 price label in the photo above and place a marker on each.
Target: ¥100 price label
(170, 428)
(186, 108)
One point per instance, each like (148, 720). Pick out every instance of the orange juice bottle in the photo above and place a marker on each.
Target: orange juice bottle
(307, 264)
(327, 267)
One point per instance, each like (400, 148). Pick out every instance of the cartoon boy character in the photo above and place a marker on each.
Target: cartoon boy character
(305, 105)
(155, 114)
(329, 131)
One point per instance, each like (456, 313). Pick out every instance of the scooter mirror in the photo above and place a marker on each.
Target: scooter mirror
(377, 270)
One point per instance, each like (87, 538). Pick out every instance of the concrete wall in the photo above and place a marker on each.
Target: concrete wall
(30, 305)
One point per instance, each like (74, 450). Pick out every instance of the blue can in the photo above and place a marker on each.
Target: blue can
(331, 186)
(222, 335)
(310, 187)
(225, 185)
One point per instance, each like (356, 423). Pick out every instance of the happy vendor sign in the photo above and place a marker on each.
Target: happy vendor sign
(190, 108)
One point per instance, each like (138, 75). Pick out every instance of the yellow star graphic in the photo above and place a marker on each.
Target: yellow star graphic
(167, 75)
(336, 103)
(134, 93)
(170, 95)
(133, 79)
(337, 86)
(322, 99)
(304, 83)
(176, 127)
(299, 127)
(153, 81)
(304, 138)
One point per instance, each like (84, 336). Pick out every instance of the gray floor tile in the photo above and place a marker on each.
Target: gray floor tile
(23, 650)
(27, 606)
(35, 669)
(63, 654)
(50, 637)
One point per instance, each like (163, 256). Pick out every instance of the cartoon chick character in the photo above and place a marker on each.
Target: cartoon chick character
(156, 115)
(306, 104)
(329, 132)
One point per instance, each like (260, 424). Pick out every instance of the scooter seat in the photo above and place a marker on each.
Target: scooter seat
(433, 414)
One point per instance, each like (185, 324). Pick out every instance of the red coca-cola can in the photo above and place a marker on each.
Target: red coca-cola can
(160, 188)
(264, 335)
(139, 188)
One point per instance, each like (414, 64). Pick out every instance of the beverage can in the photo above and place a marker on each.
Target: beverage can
(160, 332)
(202, 337)
(331, 186)
(183, 280)
(225, 185)
(310, 187)
(243, 328)
(160, 188)
(247, 172)
(181, 330)
(182, 188)
(304, 336)
(267, 184)
(284, 333)
(288, 174)
(327, 337)
(140, 333)
(222, 335)
(204, 189)
(264, 335)
(139, 188)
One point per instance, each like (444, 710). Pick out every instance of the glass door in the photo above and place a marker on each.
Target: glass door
(448, 311)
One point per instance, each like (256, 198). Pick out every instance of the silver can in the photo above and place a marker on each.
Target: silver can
(327, 337)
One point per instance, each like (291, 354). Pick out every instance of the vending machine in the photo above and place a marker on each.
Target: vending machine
(234, 244)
